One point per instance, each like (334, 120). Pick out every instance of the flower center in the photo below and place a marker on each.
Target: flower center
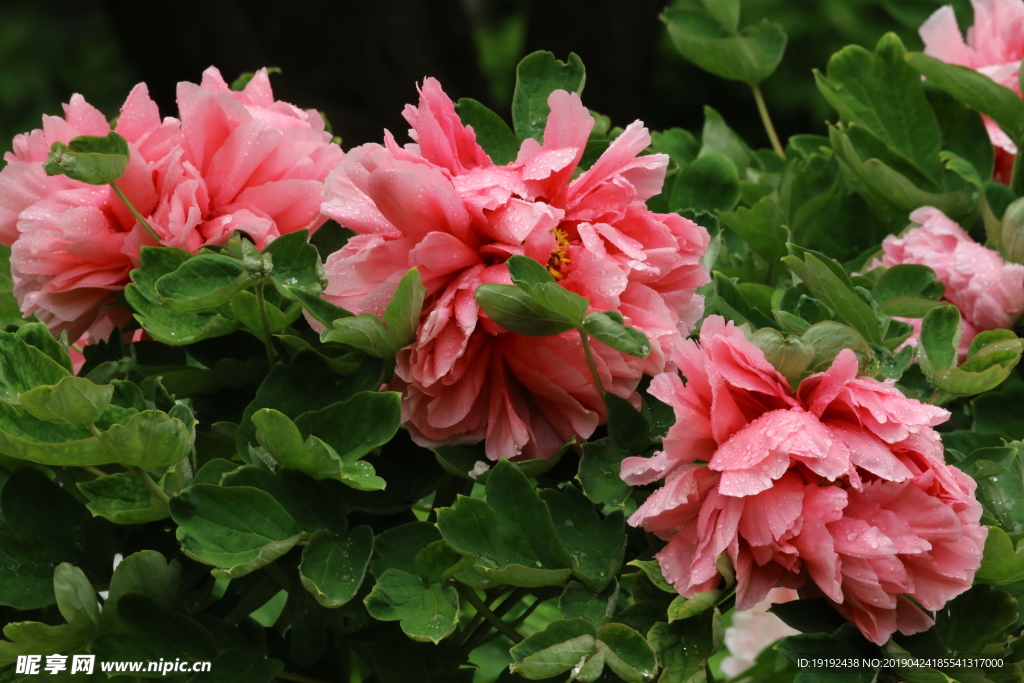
(558, 257)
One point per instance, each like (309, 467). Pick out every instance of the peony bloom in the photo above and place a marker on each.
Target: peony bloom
(994, 47)
(754, 630)
(838, 489)
(988, 291)
(235, 161)
(441, 205)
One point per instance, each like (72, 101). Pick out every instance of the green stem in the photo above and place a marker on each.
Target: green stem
(138, 216)
(769, 127)
(590, 360)
(265, 322)
(472, 640)
(491, 617)
(148, 482)
(93, 470)
(92, 429)
(1017, 177)
(518, 620)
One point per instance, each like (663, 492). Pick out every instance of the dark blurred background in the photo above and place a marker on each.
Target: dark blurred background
(359, 60)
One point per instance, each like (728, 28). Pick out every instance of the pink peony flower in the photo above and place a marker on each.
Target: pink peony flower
(441, 205)
(235, 161)
(838, 489)
(988, 291)
(994, 47)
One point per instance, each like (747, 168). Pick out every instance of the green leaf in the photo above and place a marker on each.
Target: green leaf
(628, 654)
(492, 133)
(788, 354)
(512, 531)
(599, 472)
(236, 529)
(122, 499)
(908, 280)
(355, 427)
(324, 311)
(652, 570)
(76, 598)
(427, 613)
(711, 183)
(940, 337)
(398, 547)
(162, 323)
(24, 366)
(398, 329)
(313, 505)
(678, 143)
(46, 527)
(814, 615)
(332, 569)
(296, 264)
(580, 602)
(73, 400)
(829, 338)
(1001, 563)
(623, 338)
(402, 314)
(963, 131)
(750, 55)
(684, 608)
(202, 282)
(684, 647)
(515, 310)
(148, 439)
(1011, 243)
(881, 93)
(718, 138)
(892, 191)
(89, 159)
(527, 273)
(978, 618)
(562, 645)
(147, 573)
(537, 76)
(245, 308)
(761, 227)
(834, 292)
(150, 631)
(976, 90)
(594, 545)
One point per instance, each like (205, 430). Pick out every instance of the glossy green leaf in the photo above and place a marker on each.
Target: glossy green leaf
(73, 400)
(511, 532)
(516, 310)
(236, 529)
(146, 573)
(750, 55)
(580, 602)
(537, 76)
(684, 608)
(296, 264)
(881, 93)
(245, 308)
(628, 654)
(788, 354)
(836, 294)
(355, 427)
(594, 545)
(974, 620)
(561, 646)
(492, 133)
(122, 499)
(940, 337)
(1002, 563)
(323, 311)
(89, 158)
(311, 504)
(976, 90)
(332, 569)
(202, 282)
(710, 183)
(599, 472)
(611, 333)
(426, 613)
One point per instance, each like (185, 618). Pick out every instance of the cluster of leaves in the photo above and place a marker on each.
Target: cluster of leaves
(274, 517)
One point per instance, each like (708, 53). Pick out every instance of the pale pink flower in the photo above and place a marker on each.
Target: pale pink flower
(236, 161)
(994, 47)
(837, 489)
(988, 291)
(442, 206)
(754, 630)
